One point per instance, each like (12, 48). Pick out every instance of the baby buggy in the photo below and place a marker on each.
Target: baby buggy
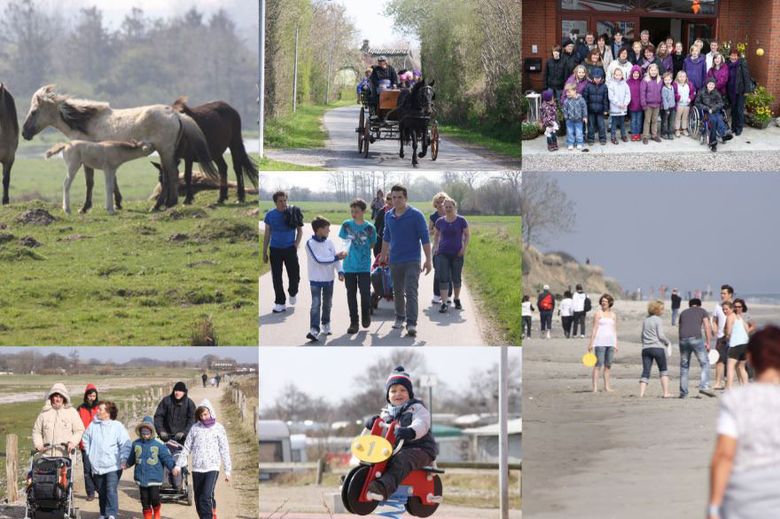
(382, 285)
(420, 492)
(49, 486)
(176, 489)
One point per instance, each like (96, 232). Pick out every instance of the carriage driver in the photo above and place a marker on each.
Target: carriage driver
(383, 71)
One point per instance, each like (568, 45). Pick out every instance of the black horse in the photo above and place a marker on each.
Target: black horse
(9, 136)
(413, 116)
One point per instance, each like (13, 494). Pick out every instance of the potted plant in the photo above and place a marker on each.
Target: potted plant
(529, 131)
(759, 108)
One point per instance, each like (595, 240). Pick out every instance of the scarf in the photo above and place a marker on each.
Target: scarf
(208, 422)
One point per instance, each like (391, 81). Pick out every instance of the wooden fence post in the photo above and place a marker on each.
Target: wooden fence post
(11, 467)
(320, 470)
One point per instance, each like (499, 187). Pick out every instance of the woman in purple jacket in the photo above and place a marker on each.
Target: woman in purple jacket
(695, 66)
(719, 71)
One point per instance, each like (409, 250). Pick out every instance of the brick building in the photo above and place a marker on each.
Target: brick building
(754, 22)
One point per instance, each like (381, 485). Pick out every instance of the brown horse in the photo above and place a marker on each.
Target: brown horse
(221, 124)
(9, 137)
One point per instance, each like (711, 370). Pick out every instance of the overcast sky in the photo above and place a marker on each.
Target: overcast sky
(329, 372)
(318, 180)
(685, 230)
(121, 354)
(372, 24)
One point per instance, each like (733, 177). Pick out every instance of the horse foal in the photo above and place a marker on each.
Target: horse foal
(105, 155)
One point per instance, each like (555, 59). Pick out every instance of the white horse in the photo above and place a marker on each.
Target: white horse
(105, 155)
(170, 132)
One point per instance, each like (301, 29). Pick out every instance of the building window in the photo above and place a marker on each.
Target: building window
(568, 25)
(598, 5)
(609, 27)
(696, 7)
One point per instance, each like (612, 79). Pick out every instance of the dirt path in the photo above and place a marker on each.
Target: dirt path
(454, 328)
(340, 151)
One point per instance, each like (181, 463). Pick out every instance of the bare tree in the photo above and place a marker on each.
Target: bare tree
(544, 208)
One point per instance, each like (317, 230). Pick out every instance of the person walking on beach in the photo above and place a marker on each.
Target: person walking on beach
(676, 303)
(546, 304)
(692, 320)
(604, 340)
(566, 313)
(578, 309)
(745, 468)
(738, 330)
(405, 231)
(283, 232)
(654, 344)
(719, 328)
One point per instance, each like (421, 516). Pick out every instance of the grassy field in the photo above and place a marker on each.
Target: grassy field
(244, 449)
(303, 129)
(500, 142)
(134, 278)
(492, 267)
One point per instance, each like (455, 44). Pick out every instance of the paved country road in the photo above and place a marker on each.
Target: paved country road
(340, 151)
(454, 328)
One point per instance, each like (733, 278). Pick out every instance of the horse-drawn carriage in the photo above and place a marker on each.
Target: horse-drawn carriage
(387, 119)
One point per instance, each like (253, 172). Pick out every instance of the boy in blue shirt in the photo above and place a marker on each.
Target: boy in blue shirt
(284, 241)
(361, 236)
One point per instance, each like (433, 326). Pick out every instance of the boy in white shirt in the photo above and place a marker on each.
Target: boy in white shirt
(322, 262)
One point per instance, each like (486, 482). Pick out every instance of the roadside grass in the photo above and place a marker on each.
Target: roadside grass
(244, 448)
(303, 129)
(502, 141)
(133, 278)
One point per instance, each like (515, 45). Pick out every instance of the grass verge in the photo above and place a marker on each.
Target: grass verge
(244, 449)
(504, 142)
(303, 129)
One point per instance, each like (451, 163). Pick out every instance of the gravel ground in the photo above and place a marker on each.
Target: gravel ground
(564, 160)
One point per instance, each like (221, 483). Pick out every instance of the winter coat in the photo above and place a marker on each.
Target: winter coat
(596, 97)
(645, 64)
(650, 93)
(107, 444)
(691, 93)
(590, 67)
(721, 78)
(207, 445)
(667, 64)
(619, 94)
(415, 415)
(147, 456)
(709, 100)
(696, 70)
(625, 67)
(575, 109)
(580, 85)
(634, 58)
(173, 416)
(739, 77)
(635, 85)
(677, 63)
(581, 51)
(667, 97)
(86, 411)
(569, 62)
(555, 73)
(549, 114)
(606, 56)
(57, 426)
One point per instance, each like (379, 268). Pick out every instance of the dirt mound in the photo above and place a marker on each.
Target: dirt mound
(561, 271)
(29, 241)
(5, 237)
(179, 213)
(36, 217)
(227, 230)
(177, 237)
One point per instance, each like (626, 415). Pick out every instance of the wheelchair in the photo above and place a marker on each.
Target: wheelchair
(698, 123)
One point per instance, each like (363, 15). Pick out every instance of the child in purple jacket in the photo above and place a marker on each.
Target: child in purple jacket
(635, 106)
(650, 97)
(549, 119)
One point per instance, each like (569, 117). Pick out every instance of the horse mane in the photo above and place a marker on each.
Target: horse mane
(411, 102)
(180, 105)
(8, 110)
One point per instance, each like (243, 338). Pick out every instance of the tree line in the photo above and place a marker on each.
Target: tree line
(145, 61)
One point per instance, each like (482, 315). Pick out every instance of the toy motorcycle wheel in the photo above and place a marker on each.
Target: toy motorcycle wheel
(353, 492)
(345, 487)
(415, 505)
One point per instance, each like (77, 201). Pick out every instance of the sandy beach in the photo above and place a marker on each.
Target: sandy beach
(612, 455)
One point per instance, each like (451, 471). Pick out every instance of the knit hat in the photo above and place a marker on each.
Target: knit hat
(147, 423)
(566, 41)
(598, 73)
(399, 376)
(547, 95)
(90, 389)
(710, 80)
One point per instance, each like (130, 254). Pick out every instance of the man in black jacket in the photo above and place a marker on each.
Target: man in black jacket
(554, 73)
(568, 58)
(383, 71)
(175, 415)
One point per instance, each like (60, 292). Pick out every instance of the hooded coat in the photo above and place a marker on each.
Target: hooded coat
(721, 77)
(57, 426)
(149, 457)
(625, 67)
(207, 445)
(634, 86)
(107, 444)
(414, 415)
(696, 69)
(650, 92)
(88, 411)
(619, 95)
(174, 416)
(597, 97)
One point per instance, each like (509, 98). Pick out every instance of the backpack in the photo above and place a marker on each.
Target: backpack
(293, 217)
(547, 302)
(588, 305)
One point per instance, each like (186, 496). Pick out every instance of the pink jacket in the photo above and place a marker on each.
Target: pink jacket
(721, 78)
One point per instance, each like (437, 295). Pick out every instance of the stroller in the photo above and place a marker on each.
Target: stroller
(382, 284)
(49, 486)
(176, 489)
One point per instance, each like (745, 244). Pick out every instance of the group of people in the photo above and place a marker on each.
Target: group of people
(396, 237)
(639, 85)
(383, 76)
(572, 310)
(106, 448)
(215, 380)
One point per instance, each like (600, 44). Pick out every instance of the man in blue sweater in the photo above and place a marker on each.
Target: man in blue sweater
(405, 230)
(284, 240)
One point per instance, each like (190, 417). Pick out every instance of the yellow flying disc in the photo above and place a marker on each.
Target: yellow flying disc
(589, 360)
(371, 449)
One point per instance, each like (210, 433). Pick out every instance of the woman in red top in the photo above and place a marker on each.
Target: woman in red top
(87, 411)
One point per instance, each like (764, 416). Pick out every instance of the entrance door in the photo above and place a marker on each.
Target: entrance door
(701, 29)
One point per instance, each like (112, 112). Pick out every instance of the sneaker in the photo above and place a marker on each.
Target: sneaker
(326, 328)
(436, 300)
(91, 497)
(645, 140)
(677, 133)
(443, 308)
(376, 491)
(708, 392)
(353, 328)
(624, 138)
(293, 300)
(604, 142)
(580, 147)
(570, 147)
(713, 147)
(366, 321)
(411, 330)
(458, 306)
(614, 140)
(279, 309)
(398, 324)
(582, 336)
(728, 136)
(548, 334)
(313, 335)
(685, 132)
(657, 139)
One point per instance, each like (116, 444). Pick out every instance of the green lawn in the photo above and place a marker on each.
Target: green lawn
(303, 129)
(503, 142)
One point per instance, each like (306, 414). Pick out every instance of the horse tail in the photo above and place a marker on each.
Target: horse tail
(56, 149)
(8, 110)
(191, 137)
(240, 156)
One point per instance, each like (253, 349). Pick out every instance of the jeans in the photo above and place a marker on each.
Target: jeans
(693, 345)
(546, 319)
(636, 122)
(89, 477)
(287, 258)
(667, 121)
(604, 356)
(618, 121)
(355, 281)
(579, 320)
(321, 296)
(527, 326)
(400, 465)
(574, 133)
(566, 321)
(406, 277)
(108, 498)
(675, 313)
(648, 356)
(596, 121)
(738, 114)
(716, 127)
(449, 268)
(651, 122)
(203, 485)
(437, 280)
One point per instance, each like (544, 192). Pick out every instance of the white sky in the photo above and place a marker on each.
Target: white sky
(317, 181)
(329, 372)
(372, 24)
(124, 353)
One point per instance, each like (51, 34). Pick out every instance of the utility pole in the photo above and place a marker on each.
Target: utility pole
(261, 81)
(503, 435)
(295, 73)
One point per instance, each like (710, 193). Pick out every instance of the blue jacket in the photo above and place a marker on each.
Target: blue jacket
(146, 456)
(596, 97)
(107, 445)
(405, 234)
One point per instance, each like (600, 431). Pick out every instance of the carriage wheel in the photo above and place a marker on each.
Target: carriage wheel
(694, 123)
(434, 141)
(415, 505)
(361, 125)
(354, 490)
(366, 139)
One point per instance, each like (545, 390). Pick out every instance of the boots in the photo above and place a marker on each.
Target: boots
(148, 513)
(157, 511)
(213, 513)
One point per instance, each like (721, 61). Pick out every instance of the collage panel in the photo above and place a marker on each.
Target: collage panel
(159, 432)
(156, 251)
(433, 428)
(675, 85)
(390, 258)
(650, 354)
